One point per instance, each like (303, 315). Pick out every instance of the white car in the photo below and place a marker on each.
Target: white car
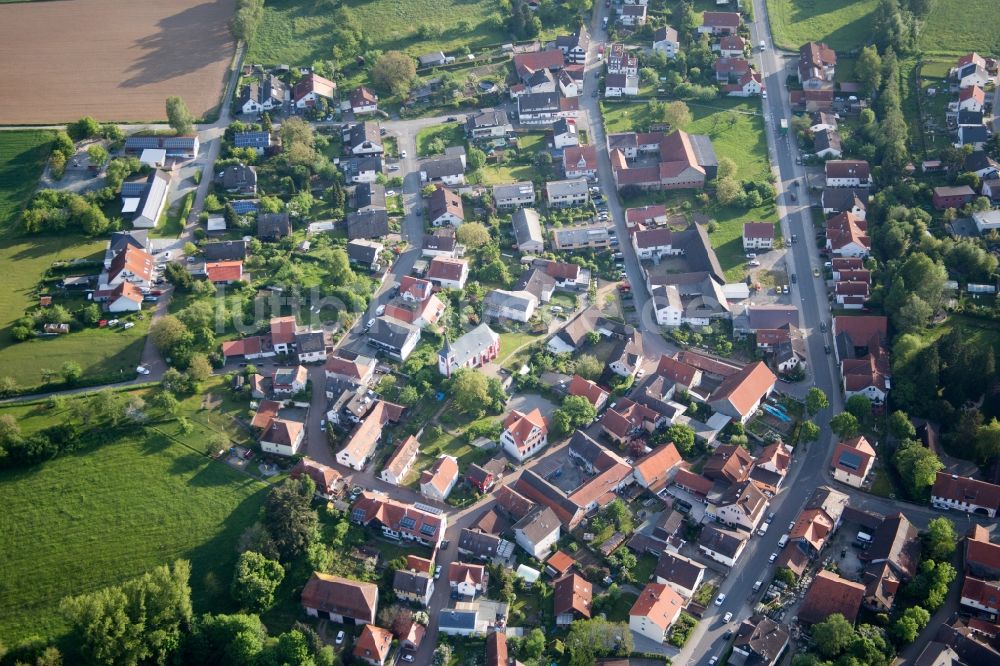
(142, 370)
(727, 617)
(773, 557)
(720, 599)
(393, 167)
(112, 322)
(127, 325)
(340, 637)
(753, 263)
(763, 94)
(380, 310)
(556, 308)
(390, 193)
(402, 153)
(437, 572)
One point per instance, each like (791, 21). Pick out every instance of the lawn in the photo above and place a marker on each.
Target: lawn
(172, 221)
(85, 521)
(451, 134)
(511, 342)
(947, 30)
(298, 33)
(737, 132)
(619, 612)
(842, 24)
(500, 174)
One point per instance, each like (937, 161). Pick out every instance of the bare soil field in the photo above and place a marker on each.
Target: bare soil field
(110, 59)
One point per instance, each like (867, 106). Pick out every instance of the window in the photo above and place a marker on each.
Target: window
(358, 515)
(428, 529)
(407, 523)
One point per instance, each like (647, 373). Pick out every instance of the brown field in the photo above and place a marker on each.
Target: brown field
(110, 59)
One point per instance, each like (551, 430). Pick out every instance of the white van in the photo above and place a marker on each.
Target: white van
(782, 541)
(758, 585)
(762, 530)
(763, 46)
(864, 538)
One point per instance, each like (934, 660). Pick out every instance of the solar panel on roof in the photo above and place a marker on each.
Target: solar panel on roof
(427, 529)
(133, 189)
(135, 142)
(244, 207)
(850, 460)
(407, 523)
(252, 140)
(357, 515)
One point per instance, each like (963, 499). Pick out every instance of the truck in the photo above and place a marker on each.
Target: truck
(783, 125)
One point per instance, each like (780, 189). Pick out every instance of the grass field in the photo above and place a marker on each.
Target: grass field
(498, 174)
(737, 133)
(842, 24)
(976, 27)
(451, 134)
(297, 32)
(89, 520)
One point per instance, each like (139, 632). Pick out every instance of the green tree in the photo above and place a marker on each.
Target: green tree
(199, 369)
(860, 406)
(676, 114)
(917, 467)
(589, 639)
(475, 158)
(473, 235)
(98, 155)
(470, 391)
(226, 640)
(940, 539)
(682, 436)
(8, 386)
(178, 116)
(833, 635)
(394, 71)
(289, 517)
(808, 431)
(588, 366)
(168, 333)
(84, 128)
(899, 425)
(908, 626)
(533, 645)
(987, 441)
(255, 581)
(71, 372)
(816, 401)
(845, 425)
(868, 69)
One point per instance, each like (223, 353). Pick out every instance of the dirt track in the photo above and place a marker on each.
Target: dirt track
(111, 59)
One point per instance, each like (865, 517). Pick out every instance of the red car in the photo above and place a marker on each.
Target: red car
(156, 292)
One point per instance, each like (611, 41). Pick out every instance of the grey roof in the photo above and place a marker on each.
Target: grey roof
(527, 226)
(703, 151)
(978, 160)
(486, 118)
(538, 524)
(539, 101)
(970, 118)
(578, 39)
(239, 176)
(514, 190)
(535, 281)
(478, 544)
(897, 542)
(772, 316)
(571, 187)
(369, 195)
(273, 225)
(370, 223)
(678, 570)
(510, 300)
(457, 619)
(664, 33)
(577, 329)
(431, 58)
(699, 252)
(410, 582)
(763, 637)
(363, 251)
(138, 238)
(540, 77)
(442, 240)
(362, 132)
(581, 235)
(391, 334)
(440, 167)
(152, 199)
(470, 344)
(224, 250)
(586, 447)
(833, 502)
(844, 198)
(827, 139)
(560, 126)
(974, 134)
(310, 342)
(356, 165)
(724, 542)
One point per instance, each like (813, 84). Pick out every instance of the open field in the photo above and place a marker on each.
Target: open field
(976, 27)
(88, 520)
(133, 56)
(298, 33)
(737, 133)
(843, 24)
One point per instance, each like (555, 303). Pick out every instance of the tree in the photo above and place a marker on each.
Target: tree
(860, 406)
(84, 128)
(899, 425)
(868, 69)
(676, 114)
(816, 401)
(533, 645)
(845, 425)
(178, 116)
(475, 158)
(472, 234)
(226, 640)
(727, 167)
(169, 332)
(98, 155)
(71, 372)
(470, 391)
(909, 624)
(917, 467)
(987, 441)
(729, 191)
(543, 164)
(588, 366)
(199, 369)
(833, 635)
(808, 431)
(8, 385)
(289, 518)
(394, 72)
(682, 436)
(939, 539)
(298, 142)
(255, 581)
(588, 639)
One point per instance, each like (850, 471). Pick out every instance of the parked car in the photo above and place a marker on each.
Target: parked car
(127, 325)
(437, 572)
(408, 657)
(380, 310)
(773, 557)
(368, 326)
(151, 299)
(720, 599)
(322, 425)
(727, 617)
(142, 370)
(794, 279)
(340, 637)
(402, 153)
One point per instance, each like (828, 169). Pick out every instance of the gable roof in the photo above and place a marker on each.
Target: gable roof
(679, 570)
(853, 456)
(963, 489)
(340, 595)
(538, 524)
(441, 474)
(373, 644)
(588, 389)
(572, 594)
(445, 268)
(655, 466)
(520, 425)
(745, 388)
(897, 542)
(848, 169)
(403, 456)
(829, 594)
(442, 202)
(760, 635)
(659, 604)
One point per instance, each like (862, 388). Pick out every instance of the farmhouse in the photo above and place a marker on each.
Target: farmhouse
(685, 161)
(146, 201)
(339, 599)
(848, 173)
(580, 162)
(965, 494)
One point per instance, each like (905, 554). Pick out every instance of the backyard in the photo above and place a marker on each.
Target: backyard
(95, 518)
(450, 134)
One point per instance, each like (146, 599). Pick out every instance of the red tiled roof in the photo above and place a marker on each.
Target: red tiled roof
(979, 550)
(856, 447)
(659, 604)
(963, 489)
(676, 371)
(460, 572)
(283, 330)
(572, 594)
(745, 388)
(441, 474)
(655, 466)
(986, 593)
(373, 644)
(847, 169)
(560, 562)
(757, 230)
(134, 260)
(267, 411)
(594, 394)
(693, 482)
(580, 158)
(350, 597)
(224, 271)
(520, 425)
(729, 462)
(829, 594)
(721, 20)
(444, 268)
(644, 214)
(845, 228)
(525, 63)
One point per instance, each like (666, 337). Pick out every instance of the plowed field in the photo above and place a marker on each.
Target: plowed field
(110, 59)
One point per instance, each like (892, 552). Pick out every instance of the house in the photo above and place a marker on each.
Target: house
(567, 193)
(895, 543)
(496, 649)
(350, 368)
(559, 564)
(484, 477)
(537, 491)
(229, 250)
(366, 224)
(847, 173)
(137, 238)
(965, 494)
(545, 107)
(627, 355)
(567, 276)
(655, 611)
(283, 437)
(987, 221)
(685, 160)
(581, 237)
(524, 434)
(240, 179)
(621, 60)
(817, 520)
(474, 349)
(817, 66)
(730, 46)
(526, 64)
(537, 531)
(665, 41)
(864, 357)
(654, 470)
(363, 100)
(628, 419)
(126, 297)
(991, 188)
(981, 164)
(723, 546)
(289, 381)
(852, 461)
(433, 59)
(528, 231)
(373, 645)
(982, 596)
(283, 333)
(720, 23)
(654, 215)
(401, 461)
(564, 134)
(440, 243)
(412, 586)
(826, 143)
(448, 273)
(574, 46)
(740, 394)
(364, 138)
(437, 482)
(746, 86)
(224, 272)
(741, 505)
(982, 558)
(513, 305)
(363, 169)
(617, 85)
(446, 169)
(847, 236)
(971, 74)
(971, 98)
(362, 441)
(580, 162)
(467, 580)
(588, 389)
(572, 596)
(823, 121)
(365, 253)
(147, 202)
(730, 69)
(340, 600)
(758, 235)
(683, 575)
(488, 124)
(175, 146)
(953, 196)
(811, 101)
(760, 641)
(395, 337)
(273, 226)
(400, 521)
(633, 15)
(329, 482)
(829, 594)
(310, 89)
(973, 135)
(312, 346)
(416, 304)
(728, 463)
(845, 200)
(514, 195)
(445, 207)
